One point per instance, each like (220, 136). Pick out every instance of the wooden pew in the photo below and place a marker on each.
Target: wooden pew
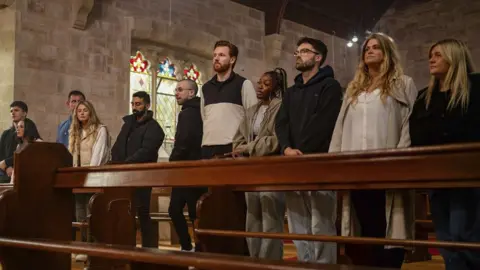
(164, 260)
(112, 219)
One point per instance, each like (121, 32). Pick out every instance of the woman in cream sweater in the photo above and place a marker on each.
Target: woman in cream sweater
(89, 144)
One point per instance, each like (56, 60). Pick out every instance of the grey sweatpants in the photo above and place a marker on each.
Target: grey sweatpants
(313, 212)
(265, 213)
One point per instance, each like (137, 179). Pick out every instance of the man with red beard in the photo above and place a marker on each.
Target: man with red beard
(225, 98)
(304, 125)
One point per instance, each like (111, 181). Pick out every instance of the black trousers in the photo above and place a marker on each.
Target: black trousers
(370, 209)
(178, 199)
(142, 197)
(210, 151)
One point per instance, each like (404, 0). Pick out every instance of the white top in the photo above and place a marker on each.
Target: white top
(259, 118)
(365, 126)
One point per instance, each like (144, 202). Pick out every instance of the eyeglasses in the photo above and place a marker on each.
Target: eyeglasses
(304, 52)
(179, 89)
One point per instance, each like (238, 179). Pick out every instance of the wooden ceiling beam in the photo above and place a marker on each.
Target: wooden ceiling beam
(274, 16)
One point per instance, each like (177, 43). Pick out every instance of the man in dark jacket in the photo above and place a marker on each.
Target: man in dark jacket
(188, 146)
(9, 141)
(138, 142)
(305, 125)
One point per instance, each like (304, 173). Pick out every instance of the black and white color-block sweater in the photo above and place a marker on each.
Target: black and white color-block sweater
(223, 106)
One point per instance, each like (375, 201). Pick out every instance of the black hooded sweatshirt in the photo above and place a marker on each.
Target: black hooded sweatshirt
(308, 113)
(188, 138)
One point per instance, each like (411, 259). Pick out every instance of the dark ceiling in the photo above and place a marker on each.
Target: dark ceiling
(344, 17)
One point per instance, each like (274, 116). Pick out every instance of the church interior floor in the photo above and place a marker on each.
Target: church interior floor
(435, 264)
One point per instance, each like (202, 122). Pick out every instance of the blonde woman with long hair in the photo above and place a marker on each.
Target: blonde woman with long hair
(374, 115)
(89, 144)
(448, 111)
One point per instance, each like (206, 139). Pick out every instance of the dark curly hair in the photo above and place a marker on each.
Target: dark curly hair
(279, 81)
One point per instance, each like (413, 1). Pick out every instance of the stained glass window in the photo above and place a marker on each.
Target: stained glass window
(167, 108)
(191, 73)
(140, 77)
(166, 69)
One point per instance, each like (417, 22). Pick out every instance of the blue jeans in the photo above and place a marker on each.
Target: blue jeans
(456, 217)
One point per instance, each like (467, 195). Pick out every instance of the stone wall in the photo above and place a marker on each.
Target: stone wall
(53, 58)
(7, 64)
(415, 27)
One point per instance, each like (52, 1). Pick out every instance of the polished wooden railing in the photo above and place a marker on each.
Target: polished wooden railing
(42, 193)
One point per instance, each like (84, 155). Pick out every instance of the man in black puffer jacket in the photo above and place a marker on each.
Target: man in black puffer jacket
(188, 146)
(138, 142)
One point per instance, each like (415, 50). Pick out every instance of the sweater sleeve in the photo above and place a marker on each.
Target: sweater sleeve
(411, 92)
(282, 124)
(249, 96)
(100, 148)
(202, 105)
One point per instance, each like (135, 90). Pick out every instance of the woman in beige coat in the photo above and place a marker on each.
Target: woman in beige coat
(374, 115)
(89, 144)
(256, 137)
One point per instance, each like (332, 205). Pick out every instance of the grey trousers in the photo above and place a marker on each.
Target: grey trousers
(265, 213)
(82, 211)
(313, 212)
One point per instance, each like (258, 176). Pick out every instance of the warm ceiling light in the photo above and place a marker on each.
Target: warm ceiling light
(354, 39)
(349, 44)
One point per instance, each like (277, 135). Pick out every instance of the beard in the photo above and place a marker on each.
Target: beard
(305, 66)
(220, 68)
(139, 113)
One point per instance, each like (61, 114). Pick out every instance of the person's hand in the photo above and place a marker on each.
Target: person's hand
(237, 155)
(292, 152)
(3, 165)
(9, 171)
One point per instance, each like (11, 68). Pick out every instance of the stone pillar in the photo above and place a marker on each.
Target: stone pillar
(7, 60)
(273, 49)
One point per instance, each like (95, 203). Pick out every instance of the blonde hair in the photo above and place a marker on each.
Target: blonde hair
(75, 131)
(390, 69)
(458, 57)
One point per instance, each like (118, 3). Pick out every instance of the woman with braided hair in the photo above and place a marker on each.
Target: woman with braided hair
(256, 137)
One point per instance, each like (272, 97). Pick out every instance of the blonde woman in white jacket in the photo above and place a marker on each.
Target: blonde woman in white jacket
(89, 144)
(374, 115)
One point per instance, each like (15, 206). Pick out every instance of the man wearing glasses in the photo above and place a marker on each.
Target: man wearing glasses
(304, 125)
(188, 146)
(138, 142)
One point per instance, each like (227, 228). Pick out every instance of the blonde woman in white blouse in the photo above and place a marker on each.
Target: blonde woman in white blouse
(374, 115)
(89, 144)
